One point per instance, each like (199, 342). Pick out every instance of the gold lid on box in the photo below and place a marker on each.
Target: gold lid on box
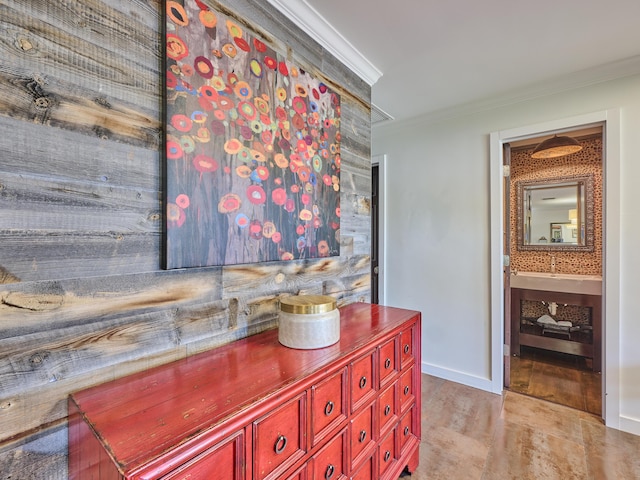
(305, 304)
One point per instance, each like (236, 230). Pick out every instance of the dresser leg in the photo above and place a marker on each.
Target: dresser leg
(412, 463)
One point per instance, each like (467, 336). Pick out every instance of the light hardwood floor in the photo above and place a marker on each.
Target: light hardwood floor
(471, 434)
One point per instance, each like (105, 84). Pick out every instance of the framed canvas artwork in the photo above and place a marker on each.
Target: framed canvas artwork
(252, 147)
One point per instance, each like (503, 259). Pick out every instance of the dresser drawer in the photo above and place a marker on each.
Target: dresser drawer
(362, 381)
(387, 453)
(361, 435)
(301, 474)
(330, 463)
(407, 345)
(366, 470)
(221, 462)
(407, 429)
(387, 412)
(328, 405)
(407, 390)
(279, 439)
(387, 361)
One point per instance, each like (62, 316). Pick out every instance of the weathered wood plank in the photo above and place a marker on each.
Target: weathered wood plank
(64, 255)
(239, 280)
(52, 153)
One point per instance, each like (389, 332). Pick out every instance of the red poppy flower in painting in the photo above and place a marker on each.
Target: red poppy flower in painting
(242, 44)
(176, 48)
(203, 163)
(247, 110)
(266, 137)
(229, 203)
(263, 172)
(174, 150)
(281, 114)
(282, 68)
(303, 173)
(305, 198)
(300, 229)
(225, 103)
(209, 93)
(299, 105)
(259, 46)
(183, 201)
(290, 205)
(256, 195)
(279, 196)
(172, 80)
(298, 122)
(181, 123)
(255, 229)
(270, 63)
(276, 237)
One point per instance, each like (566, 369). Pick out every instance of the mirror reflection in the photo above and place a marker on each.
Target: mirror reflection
(555, 214)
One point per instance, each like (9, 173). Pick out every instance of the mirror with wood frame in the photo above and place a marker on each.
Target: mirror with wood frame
(555, 214)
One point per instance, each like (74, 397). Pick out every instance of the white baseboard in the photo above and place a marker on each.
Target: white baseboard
(630, 425)
(459, 377)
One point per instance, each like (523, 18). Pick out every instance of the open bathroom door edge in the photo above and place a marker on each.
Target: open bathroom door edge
(506, 264)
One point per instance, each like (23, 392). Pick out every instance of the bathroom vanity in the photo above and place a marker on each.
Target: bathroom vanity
(255, 409)
(564, 290)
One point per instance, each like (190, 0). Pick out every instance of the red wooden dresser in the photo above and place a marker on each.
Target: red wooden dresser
(254, 409)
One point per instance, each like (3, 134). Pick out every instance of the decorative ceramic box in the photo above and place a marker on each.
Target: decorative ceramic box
(309, 321)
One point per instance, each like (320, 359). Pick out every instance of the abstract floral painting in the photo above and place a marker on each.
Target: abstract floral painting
(252, 147)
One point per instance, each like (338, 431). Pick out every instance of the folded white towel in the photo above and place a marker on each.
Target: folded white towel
(547, 320)
(563, 323)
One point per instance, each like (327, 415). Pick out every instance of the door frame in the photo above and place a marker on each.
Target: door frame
(381, 162)
(611, 249)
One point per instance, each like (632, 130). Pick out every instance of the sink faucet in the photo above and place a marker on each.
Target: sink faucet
(553, 264)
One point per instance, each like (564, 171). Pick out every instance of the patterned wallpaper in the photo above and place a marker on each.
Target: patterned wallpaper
(523, 167)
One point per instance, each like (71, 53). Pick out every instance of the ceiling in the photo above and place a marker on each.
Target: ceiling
(433, 57)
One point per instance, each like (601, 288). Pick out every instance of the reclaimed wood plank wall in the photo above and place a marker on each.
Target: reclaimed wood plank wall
(83, 298)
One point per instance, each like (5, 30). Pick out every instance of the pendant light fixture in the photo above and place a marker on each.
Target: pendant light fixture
(556, 147)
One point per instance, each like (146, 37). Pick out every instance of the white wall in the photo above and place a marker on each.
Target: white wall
(439, 239)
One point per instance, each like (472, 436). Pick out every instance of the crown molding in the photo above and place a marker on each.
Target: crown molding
(303, 14)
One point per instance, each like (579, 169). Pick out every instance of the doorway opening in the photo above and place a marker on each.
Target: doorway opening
(554, 232)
